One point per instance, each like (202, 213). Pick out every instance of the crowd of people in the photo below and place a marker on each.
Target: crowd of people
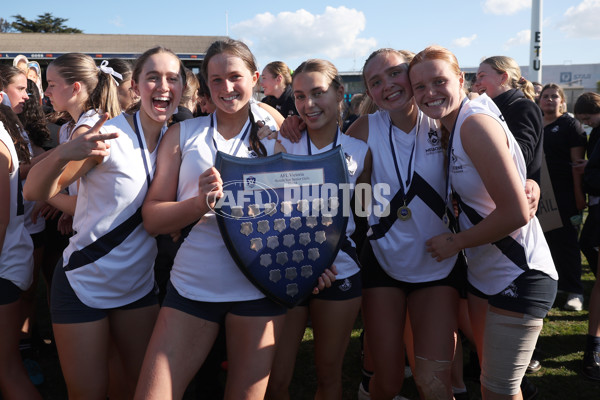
(109, 185)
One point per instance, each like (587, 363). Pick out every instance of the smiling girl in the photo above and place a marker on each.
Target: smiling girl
(104, 291)
(512, 280)
(318, 93)
(207, 289)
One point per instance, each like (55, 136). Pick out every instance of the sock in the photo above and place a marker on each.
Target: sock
(592, 343)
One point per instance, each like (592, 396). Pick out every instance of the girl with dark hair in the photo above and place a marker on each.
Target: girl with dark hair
(206, 289)
(16, 258)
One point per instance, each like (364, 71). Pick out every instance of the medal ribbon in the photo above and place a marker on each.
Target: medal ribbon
(308, 142)
(409, 174)
(241, 141)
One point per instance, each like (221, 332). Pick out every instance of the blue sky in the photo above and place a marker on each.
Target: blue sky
(345, 32)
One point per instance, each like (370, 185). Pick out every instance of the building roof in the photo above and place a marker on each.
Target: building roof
(52, 45)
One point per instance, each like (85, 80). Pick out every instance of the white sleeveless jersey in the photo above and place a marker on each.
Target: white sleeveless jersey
(109, 261)
(354, 151)
(401, 249)
(203, 270)
(260, 114)
(29, 205)
(492, 267)
(16, 258)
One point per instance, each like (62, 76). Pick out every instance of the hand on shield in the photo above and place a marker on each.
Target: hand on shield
(210, 186)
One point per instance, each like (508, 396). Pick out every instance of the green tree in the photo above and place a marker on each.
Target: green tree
(5, 26)
(45, 23)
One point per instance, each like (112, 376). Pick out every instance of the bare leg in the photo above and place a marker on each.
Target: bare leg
(250, 352)
(14, 382)
(285, 353)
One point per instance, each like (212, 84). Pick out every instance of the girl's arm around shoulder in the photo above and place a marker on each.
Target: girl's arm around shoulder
(68, 162)
(273, 112)
(486, 145)
(161, 212)
(5, 168)
(360, 128)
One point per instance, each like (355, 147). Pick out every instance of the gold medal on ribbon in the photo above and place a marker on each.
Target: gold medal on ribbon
(404, 213)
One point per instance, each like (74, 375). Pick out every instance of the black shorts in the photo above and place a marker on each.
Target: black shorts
(9, 292)
(341, 289)
(66, 308)
(373, 275)
(38, 239)
(217, 311)
(532, 293)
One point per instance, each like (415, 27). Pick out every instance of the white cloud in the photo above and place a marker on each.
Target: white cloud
(522, 37)
(505, 7)
(301, 35)
(464, 41)
(582, 20)
(117, 21)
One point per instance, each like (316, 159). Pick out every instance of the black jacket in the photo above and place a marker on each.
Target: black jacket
(591, 176)
(524, 119)
(285, 104)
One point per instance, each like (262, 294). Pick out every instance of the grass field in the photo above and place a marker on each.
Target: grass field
(561, 345)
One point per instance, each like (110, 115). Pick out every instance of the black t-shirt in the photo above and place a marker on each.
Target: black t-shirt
(559, 138)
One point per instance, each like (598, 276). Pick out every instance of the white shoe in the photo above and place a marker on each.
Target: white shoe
(574, 302)
(362, 393)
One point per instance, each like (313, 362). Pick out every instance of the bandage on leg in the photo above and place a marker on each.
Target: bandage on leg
(428, 376)
(508, 345)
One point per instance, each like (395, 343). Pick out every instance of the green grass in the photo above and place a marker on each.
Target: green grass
(561, 346)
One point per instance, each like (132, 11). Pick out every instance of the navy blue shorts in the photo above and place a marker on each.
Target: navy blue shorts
(341, 289)
(373, 275)
(217, 311)
(66, 308)
(532, 293)
(9, 292)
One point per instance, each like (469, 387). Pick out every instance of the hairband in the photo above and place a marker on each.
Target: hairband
(108, 70)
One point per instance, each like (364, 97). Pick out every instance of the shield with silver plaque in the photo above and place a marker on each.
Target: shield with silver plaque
(283, 218)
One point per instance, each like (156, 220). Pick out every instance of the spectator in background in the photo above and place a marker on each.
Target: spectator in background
(21, 62)
(564, 146)
(276, 81)
(587, 111)
(537, 87)
(353, 110)
(125, 93)
(189, 99)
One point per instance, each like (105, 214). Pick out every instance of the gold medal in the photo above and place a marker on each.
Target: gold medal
(404, 213)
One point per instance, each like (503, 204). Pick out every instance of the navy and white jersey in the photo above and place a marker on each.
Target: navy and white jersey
(203, 269)
(260, 114)
(400, 245)
(492, 267)
(16, 257)
(355, 151)
(109, 261)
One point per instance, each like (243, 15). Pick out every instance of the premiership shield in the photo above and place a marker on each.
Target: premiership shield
(283, 218)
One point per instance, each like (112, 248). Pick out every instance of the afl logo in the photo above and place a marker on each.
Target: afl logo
(250, 181)
(433, 139)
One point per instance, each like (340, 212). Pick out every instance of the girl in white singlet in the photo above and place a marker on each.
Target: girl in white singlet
(512, 279)
(16, 259)
(104, 293)
(318, 92)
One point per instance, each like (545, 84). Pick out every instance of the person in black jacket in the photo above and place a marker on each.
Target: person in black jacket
(591, 355)
(587, 111)
(276, 81)
(500, 78)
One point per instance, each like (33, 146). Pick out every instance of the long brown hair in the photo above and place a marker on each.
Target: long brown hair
(237, 49)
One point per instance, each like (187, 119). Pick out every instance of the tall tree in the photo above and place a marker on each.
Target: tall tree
(45, 23)
(5, 26)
